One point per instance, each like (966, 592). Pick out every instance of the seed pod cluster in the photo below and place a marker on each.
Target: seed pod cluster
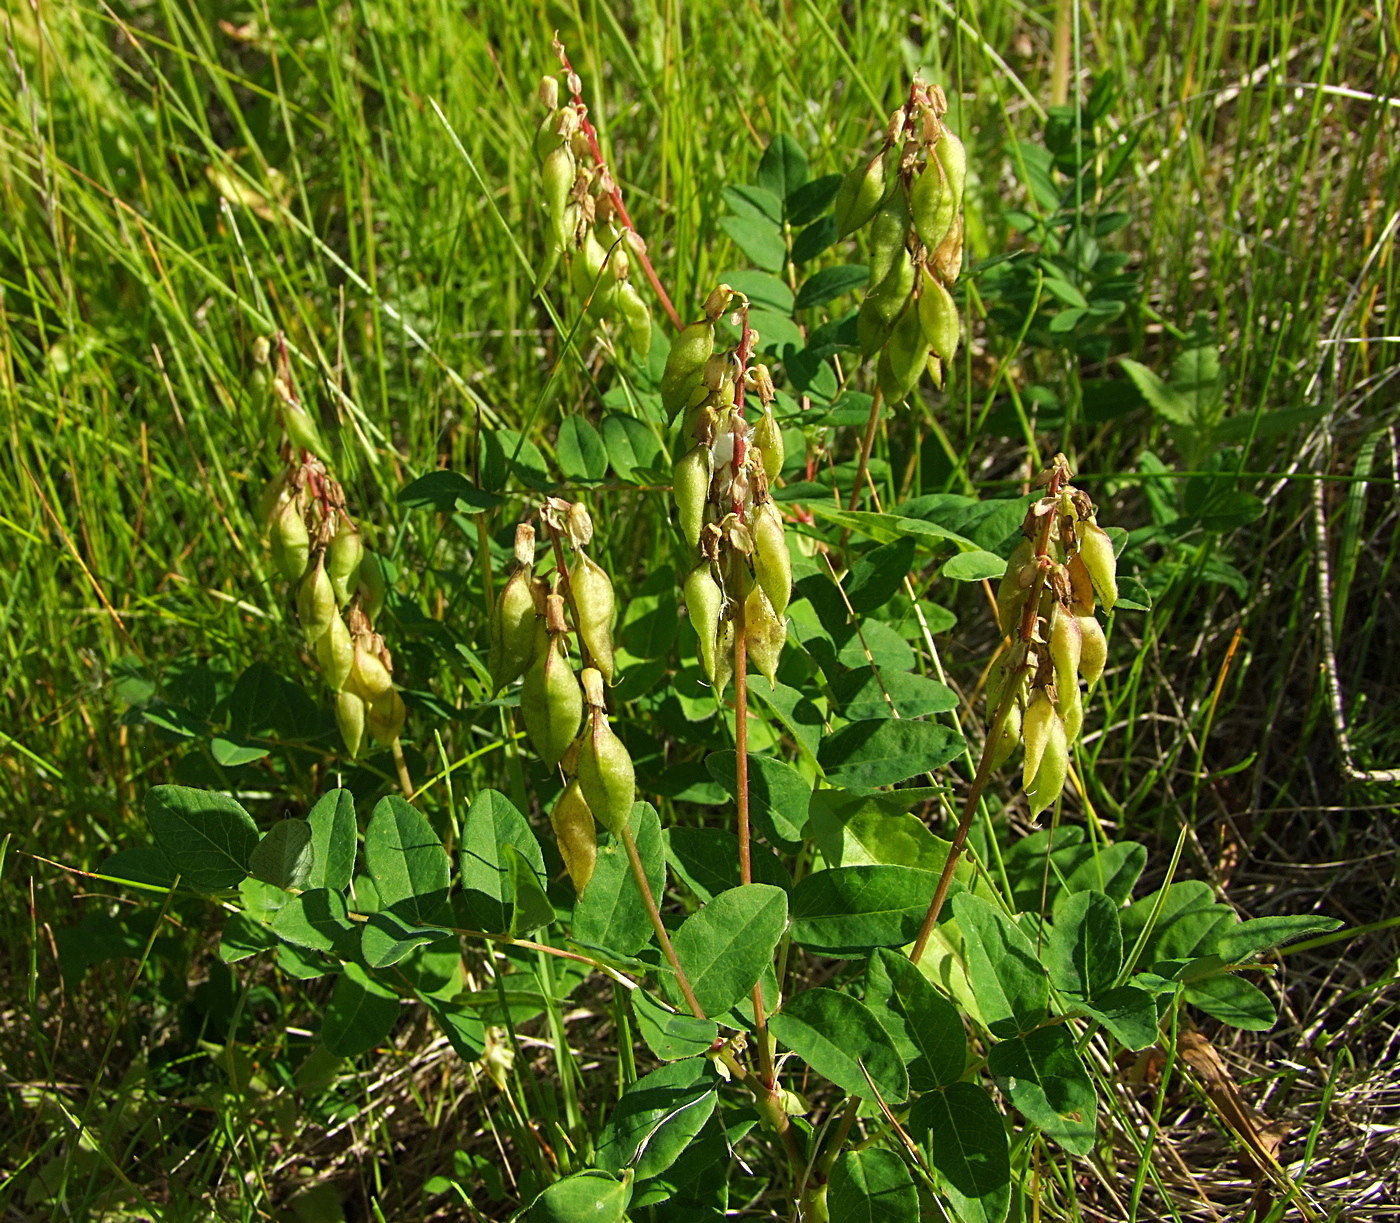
(910, 194)
(535, 619)
(1046, 602)
(337, 583)
(740, 571)
(586, 225)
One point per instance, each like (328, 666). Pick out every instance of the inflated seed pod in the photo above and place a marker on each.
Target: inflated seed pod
(351, 713)
(690, 484)
(302, 429)
(559, 171)
(859, 195)
(1069, 704)
(593, 281)
(904, 357)
(1093, 653)
(772, 563)
(606, 775)
(315, 602)
(1044, 787)
(371, 677)
(1097, 550)
(724, 655)
(690, 350)
(1035, 731)
(291, 542)
(947, 259)
(888, 234)
(512, 630)
(932, 205)
(551, 702)
(596, 606)
(1009, 738)
(938, 315)
(636, 319)
(386, 718)
(884, 303)
(373, 588)
(1013, 590)
(343, 559)
(1066, 648)
(768, 439)
(765, 633)
(952, 156)
(575, 834)
(335, 654)
(703, 602)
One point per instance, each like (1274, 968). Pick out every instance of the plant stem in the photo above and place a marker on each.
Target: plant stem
(867, 444)
(662, 936)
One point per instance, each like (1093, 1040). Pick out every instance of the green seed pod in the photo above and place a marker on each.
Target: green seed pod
(1035, 730)
(690, 350)
(765, 633)
(302, 430)
(772, 563)
(513, 622)
(596, 606)
(768, 439)
(947, 259)
(315, 602)
(953, 158)
(724, 656)
(575, 834)
(291, 542)
(636, 319)
(373, 588)
(1009, 739)
(1066, 646)
(593, 281)
(1044, 787)
(1097, 550)
(606, 776)
(703, 601)
(1013, 590)
(386, 718)
(343, 559)
(551, 702)
(859, 195)
(888, 236)
(351, 713)
(559, 171)
(270, 501)
(1093, 653)
(1069, 704)
(690, 484)
(883, 305)
(335, 654)
(904, 357)
(932, 205)
(938, 315)
(372, 678)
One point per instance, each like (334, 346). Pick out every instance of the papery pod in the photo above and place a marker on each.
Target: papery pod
(1014, 590)
(884, 303)
(772, 563)
(947, 259)
(551, 702)
(704, 600)
(1081, 586)
(932, 205)
(636, 319)
(291, 542)
(1097, 550)
(1036, 732)
(371, 677)
(512, 630)
(1093, 653)
(575, 834)
(690, 350)
(351, 714)
(1044, 787)
(904, 357)
(606, 775)
(938, 315)
(335, 654)
(859, 195)
(952, 156)
(373, 588)
(302, 430)
(1008, 738)
(343, 559)
(768, 439)
(888, 235)
(315, 602)
(765, 633)
(386, 718)
(724, 656)
(596, 606)
(690, 484)
(593, 280)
